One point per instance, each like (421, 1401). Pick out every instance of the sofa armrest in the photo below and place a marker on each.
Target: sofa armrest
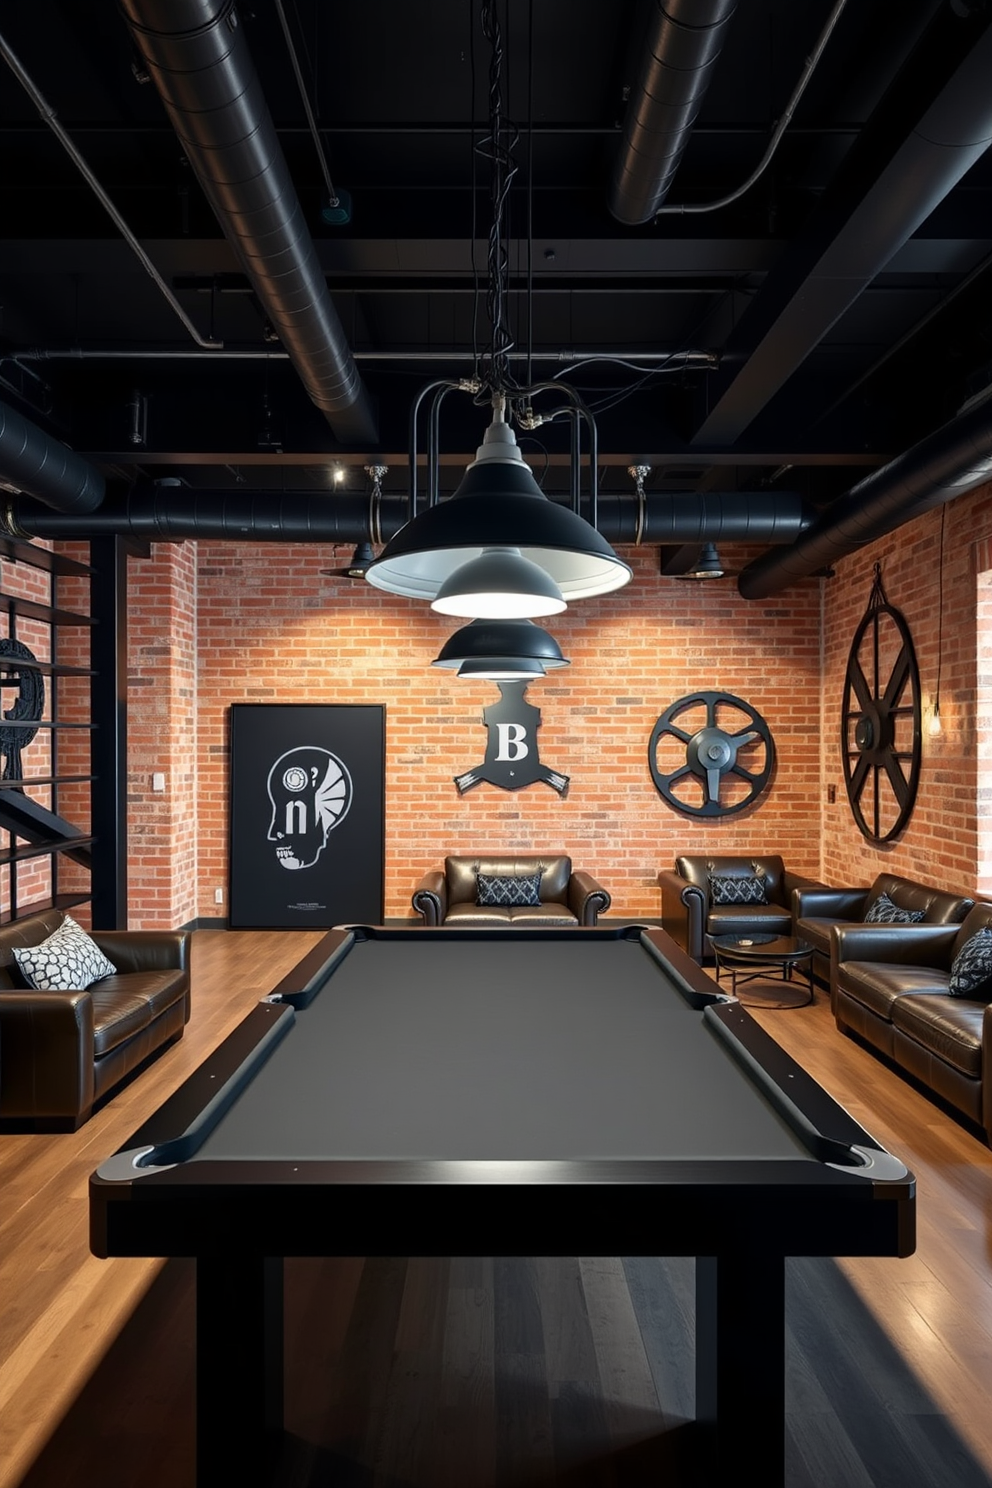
(987, 1070)
(684, 907)
(904, 945)
(430, 897)
(46, 1054)
(818, 902)
(586, 897)
(145, 950)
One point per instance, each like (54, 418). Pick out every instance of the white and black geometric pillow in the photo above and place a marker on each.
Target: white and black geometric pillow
(725, 889)
(885, 912)
(68, 961)
(971, 972)
(508, 893)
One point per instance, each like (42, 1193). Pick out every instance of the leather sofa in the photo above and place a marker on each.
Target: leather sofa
(817, 909)
(449, 896)
(62, 1052)
(889, 985)
(690, 916)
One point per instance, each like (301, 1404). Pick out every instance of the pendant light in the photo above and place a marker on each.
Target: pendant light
(498, 548)
(708, 564)
(501, 651)
(498, 512)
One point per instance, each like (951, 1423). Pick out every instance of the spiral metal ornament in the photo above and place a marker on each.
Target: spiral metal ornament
(28, 706)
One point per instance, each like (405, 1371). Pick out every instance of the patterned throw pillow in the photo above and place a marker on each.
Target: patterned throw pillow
(885, 912)
(508, 893)
(68, 961)
(972, 968)
(747, 889)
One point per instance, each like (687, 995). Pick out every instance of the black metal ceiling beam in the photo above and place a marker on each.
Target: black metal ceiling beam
(934, 122)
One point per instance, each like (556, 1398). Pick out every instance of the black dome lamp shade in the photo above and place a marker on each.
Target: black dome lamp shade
(501, 651)
(498, 505)
(708, 565)
(500, 584)
(357, 565)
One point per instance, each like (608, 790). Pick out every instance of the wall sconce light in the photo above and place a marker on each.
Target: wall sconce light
(934, 726)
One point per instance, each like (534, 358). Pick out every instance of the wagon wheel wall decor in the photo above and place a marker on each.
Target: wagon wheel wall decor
(880, 720)
(711, 754)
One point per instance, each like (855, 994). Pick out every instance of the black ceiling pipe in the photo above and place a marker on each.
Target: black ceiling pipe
(952, 460)
(697, 517)
(198, 58)
(683, 42)
(34, 462)
(179, 514)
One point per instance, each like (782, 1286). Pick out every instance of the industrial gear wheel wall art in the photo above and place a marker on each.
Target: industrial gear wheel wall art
(727, 754)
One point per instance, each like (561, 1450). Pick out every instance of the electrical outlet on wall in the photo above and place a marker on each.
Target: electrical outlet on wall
(218, 896)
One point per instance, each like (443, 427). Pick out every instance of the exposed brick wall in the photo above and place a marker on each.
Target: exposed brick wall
(215, 623)
(163, 826)
(269, 628)
(939, 845)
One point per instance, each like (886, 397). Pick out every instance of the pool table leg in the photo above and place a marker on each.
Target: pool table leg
(740, 1363)
(239, 1358)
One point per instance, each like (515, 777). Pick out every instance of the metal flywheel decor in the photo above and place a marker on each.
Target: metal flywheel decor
(712, 730)
(880, 720)
(27, 707)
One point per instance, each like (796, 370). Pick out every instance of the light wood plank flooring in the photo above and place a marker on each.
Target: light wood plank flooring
(477, 1372)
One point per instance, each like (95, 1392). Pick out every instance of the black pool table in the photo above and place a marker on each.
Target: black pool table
(464, 1092)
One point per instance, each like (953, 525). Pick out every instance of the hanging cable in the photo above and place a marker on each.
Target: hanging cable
(495, 363)
(333, 198)
(682, 209)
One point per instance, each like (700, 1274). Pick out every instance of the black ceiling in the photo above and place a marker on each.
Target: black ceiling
(807, 332)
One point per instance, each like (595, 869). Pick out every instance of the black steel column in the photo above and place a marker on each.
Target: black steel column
(108, 557)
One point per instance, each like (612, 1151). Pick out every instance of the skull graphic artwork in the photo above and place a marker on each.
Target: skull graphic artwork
(310, 790)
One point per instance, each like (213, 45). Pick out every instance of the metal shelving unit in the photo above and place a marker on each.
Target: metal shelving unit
(37, 830)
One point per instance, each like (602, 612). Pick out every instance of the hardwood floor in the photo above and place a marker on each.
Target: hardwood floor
(430, 1372)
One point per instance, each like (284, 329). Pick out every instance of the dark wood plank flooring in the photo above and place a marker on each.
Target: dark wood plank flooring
(527, 1372)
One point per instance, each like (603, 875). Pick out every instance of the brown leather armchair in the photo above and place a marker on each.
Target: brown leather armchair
(449, 896)
(816, 910)
(691, 917)
(61, 1052)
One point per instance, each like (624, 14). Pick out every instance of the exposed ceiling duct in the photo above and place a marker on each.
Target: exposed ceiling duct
(683, 42)
(931, 126)
(952, 460)
(32, 461)
(170, 513)
(198, 59)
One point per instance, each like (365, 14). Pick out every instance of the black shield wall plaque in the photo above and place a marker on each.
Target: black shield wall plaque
(512, 759)
(307, 815)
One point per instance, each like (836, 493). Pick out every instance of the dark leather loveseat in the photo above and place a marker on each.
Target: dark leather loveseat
(61, 1052)
(690, 916)
(817, 909)
(449, 896)
(890, 985)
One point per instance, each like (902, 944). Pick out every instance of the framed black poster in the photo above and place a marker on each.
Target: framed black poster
(307, 815)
